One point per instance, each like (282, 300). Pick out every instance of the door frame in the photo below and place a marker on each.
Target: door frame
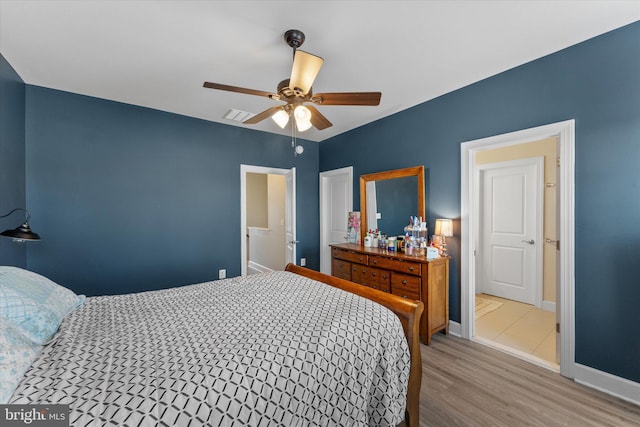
(244, 169)
(323, 215)
(538, 163)
(565, 134)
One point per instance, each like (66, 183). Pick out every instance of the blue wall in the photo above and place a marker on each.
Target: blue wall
(130, 199)
(12, 163)
(597, 83)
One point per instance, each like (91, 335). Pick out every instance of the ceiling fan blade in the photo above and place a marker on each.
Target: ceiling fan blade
(264, 115)
(347, 98)
(239, 90)
(317, 119)
(305, 69)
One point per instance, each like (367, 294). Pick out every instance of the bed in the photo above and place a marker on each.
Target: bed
(279, 348)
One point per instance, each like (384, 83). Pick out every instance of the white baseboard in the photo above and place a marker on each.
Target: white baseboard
(455, 328)
(617, 386)
(549, 306)
(257, 267)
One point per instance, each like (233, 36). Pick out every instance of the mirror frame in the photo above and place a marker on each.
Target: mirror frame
(417, 171)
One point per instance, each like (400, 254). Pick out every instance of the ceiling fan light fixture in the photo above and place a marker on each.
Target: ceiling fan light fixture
(281, 118)
(302, 126)
(303, 118)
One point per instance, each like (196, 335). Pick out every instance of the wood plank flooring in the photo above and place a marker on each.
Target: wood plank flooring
(467, 384)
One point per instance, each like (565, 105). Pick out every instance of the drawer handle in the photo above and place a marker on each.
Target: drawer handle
(384, 276)
(405, 296)
(355, 268)
(374, 287)
(404, 282)
(373, 274)
(360, 258)
(375, 261)
(411, 268)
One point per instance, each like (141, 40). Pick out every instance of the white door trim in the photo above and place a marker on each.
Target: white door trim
(244, 169)
(565, 133)
(323, 215)
(538, 162)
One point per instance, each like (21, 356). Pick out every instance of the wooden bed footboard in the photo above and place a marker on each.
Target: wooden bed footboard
(408, 311)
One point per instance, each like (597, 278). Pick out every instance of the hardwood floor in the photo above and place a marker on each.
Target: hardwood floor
(468, 384)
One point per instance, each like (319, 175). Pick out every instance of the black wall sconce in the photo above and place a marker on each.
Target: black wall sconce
(22, 233)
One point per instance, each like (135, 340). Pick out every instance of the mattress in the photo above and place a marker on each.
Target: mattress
(261, 350)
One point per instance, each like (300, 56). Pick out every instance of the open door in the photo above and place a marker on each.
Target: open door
(336, 201)
(290, 208)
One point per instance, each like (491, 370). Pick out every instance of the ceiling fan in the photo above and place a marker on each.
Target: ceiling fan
(297, 90)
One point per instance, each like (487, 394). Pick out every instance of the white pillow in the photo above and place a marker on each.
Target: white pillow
(33, 304)
(17, 353)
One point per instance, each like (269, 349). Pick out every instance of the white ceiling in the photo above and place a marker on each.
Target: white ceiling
(157, 54)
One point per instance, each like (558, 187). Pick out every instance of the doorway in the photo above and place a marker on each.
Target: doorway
(563, 133)
(268, 223)
(336, 201)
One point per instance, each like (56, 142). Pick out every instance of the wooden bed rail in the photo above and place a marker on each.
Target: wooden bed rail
(408, 311)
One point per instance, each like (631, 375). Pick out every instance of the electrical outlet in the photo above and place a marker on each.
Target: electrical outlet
(222, 273)
(303, 262)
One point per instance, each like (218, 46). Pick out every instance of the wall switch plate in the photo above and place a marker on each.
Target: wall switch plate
(222, 273)
(378, 215)
(303, 262)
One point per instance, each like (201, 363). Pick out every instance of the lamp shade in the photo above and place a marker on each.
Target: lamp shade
(23, 232)
(303, 118)
(281, 118)
(444, 227)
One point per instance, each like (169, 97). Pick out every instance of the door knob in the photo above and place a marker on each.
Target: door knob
(531, 242)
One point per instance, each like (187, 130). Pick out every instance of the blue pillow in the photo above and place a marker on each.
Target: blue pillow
(17, 353)
(34, 304)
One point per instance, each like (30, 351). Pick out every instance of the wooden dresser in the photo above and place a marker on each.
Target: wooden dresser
(407, 276)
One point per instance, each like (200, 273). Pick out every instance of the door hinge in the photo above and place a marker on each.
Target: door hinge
(557, 328)
(558, 161)
(474, 252)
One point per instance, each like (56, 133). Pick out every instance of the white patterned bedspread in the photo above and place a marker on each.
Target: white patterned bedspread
(261, 350)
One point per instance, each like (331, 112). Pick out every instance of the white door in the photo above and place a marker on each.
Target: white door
(558, 261)
(336, 201)
(511, 229)
(290, 209)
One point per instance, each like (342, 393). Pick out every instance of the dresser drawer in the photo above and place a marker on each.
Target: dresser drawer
(405, 286)
(371, 277)
(341, 269)
(407, 267)
(350, 256)
(378, 279)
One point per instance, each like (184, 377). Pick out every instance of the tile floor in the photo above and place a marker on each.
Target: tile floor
(520, 326)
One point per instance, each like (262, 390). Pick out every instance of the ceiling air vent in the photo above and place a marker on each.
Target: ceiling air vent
(237, 115)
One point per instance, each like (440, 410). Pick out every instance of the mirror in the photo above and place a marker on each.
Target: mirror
(394, 196)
